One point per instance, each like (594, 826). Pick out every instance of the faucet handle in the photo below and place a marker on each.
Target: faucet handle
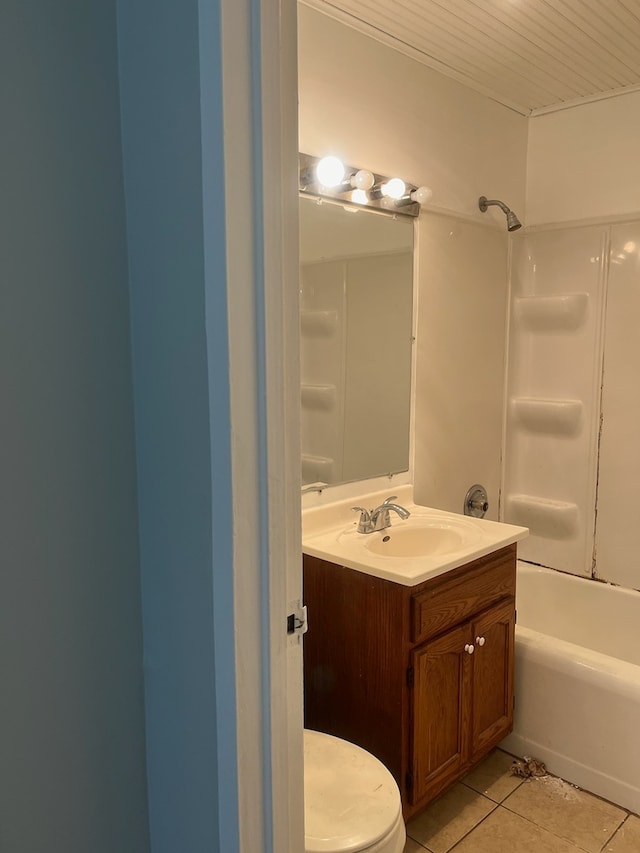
(365, 514)
(389, 500)
(364, 524)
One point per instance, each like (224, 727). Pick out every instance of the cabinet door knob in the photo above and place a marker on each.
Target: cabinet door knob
(469, 648)
(480, 641)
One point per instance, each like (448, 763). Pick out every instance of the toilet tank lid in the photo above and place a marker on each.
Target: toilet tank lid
(351, 799)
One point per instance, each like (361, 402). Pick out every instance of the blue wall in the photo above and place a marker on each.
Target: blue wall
(72, 761)
(174, 181)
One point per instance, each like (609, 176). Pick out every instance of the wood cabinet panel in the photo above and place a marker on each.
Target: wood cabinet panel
(354, 676)
(385, 667)
(439, 713)
(446, 602)
(493, 677)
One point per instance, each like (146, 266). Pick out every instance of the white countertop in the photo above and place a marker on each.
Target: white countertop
(329, 532)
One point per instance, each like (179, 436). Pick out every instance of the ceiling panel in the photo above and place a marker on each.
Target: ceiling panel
(531, 55)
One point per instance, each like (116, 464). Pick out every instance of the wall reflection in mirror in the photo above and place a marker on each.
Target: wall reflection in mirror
(356, 298)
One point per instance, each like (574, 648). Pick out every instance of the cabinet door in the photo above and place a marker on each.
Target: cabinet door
(440, 712)
(493, 638)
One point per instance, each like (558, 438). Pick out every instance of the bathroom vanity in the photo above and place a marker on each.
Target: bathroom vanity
(418, 673)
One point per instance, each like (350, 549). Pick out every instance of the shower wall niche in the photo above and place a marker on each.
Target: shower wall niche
(553, 393)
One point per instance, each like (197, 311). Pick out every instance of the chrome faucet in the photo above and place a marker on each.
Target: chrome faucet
(372, 520)
(380, 518)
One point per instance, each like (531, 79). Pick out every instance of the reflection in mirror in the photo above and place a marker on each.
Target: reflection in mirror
(356, 298)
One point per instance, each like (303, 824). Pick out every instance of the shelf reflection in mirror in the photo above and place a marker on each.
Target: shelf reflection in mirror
(356, 299)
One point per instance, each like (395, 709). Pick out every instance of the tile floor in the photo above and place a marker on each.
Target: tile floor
(491, 811)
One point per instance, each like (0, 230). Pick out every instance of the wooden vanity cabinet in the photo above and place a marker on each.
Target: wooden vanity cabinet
(420, 676)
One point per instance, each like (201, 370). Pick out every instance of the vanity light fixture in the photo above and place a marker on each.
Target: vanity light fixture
(330, 172)
(395, 188)
(363, 180)
(422, 195)
(329, 177)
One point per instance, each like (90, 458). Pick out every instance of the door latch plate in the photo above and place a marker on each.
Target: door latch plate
(297, 623)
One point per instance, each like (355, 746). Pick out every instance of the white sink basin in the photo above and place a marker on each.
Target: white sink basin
(418, 539)
(412, 550)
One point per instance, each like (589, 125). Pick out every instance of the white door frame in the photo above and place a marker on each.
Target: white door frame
(259, 62)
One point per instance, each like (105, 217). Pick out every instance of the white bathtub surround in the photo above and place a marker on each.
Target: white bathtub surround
(578, 681)
(552, 416)
(617, 519)
(571, 454)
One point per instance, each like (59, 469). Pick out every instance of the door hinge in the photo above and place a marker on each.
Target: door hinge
(408, 781)
(515, 618)
(411, 678)
(297, 622)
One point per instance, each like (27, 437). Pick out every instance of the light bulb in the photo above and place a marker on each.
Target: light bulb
(330, 172)
(395, 188)
(422, 195)
(362, 180)
(359, 196)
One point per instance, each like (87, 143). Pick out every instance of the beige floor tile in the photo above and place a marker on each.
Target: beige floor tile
(413, 847)
(449, 818)
(505, 832)
(566, 811)
(493, 777)
(627, 838)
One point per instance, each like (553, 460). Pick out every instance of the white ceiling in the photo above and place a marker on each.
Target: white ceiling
(530, 55)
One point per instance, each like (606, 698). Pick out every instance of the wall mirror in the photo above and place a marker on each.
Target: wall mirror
(356, 301)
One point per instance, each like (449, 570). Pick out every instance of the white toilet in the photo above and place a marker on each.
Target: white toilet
(352, 802)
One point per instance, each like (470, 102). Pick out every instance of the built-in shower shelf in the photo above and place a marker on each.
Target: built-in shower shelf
(562, 313)
(552, 417)
(319, 324)
(316, 468)
(543, 516)
(319, 398)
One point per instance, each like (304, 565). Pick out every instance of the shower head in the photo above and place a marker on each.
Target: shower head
(513, 223)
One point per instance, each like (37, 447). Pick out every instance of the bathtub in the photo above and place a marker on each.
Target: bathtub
(578, 681)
